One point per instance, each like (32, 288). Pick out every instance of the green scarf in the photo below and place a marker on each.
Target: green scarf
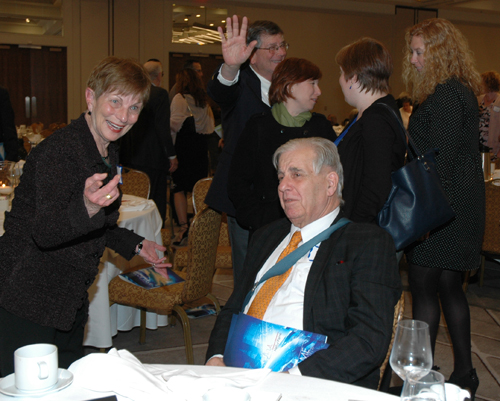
(282, 116)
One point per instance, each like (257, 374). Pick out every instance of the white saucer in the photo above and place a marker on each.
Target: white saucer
(8, 385)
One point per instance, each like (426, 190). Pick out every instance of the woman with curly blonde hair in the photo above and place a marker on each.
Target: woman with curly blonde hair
(440, 75)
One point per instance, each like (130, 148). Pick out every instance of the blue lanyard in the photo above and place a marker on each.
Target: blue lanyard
(288, 261)
(337, 141)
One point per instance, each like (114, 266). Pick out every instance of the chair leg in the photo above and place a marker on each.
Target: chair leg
(186, 327)
(215, 301)
(481, 271)
(142, 337)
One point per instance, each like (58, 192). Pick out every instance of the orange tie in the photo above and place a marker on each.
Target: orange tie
(271, 286)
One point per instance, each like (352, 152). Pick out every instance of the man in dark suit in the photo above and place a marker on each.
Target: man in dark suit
(148, 145)
(8, 134)
(345, 287)
(240, 87)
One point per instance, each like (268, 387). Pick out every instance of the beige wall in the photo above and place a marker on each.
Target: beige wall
(142, 29)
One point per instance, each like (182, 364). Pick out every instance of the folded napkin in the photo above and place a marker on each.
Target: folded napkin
(122, 373)
(132, 203)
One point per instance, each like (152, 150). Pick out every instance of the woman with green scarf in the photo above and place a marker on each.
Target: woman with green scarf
(253, 182)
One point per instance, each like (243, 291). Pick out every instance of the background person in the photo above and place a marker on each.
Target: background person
(64, 215)
(373, 147)
(191, 121)
(148, 147)
(489, 112)
(405, 110)
(8, 133)
(193, 65)
(439, 71)
(240, 87)
(252, 180)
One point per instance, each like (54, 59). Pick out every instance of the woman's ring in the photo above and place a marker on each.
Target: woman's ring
(154, 264)
(108, 196)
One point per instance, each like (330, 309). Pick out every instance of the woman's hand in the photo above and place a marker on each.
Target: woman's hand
(97, 196)
(148, 253)
(234, 48)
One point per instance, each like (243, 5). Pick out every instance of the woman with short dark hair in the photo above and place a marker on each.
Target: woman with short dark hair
(489, 113)
(64, 214)
(371, 147)
(253, 183)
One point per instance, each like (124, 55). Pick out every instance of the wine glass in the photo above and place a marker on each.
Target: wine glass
(411, 351)
(429, 387)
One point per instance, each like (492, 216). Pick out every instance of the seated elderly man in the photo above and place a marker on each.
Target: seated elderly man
(344, 287)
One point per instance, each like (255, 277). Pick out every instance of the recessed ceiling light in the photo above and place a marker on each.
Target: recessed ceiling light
(27, 20)
(198, 15)
(186, 19)
(211, 24)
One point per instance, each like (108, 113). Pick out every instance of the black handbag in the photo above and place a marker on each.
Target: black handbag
(417, 202)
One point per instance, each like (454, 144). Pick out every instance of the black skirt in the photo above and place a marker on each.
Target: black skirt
(192, 154)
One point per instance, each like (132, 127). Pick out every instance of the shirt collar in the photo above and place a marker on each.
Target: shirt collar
(312, 229)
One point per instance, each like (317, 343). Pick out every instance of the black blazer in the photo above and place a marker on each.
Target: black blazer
(350, 294)
(238, 103)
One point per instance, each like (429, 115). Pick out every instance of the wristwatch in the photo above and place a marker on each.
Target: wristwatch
(139, 248)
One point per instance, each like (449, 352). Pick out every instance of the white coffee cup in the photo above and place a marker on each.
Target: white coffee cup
(226, 394)
(455, 393)
(36, 367)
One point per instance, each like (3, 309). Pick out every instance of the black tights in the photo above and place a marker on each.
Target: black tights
(429, 286)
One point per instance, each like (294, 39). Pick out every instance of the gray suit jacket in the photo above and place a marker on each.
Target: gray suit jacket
(350, 294)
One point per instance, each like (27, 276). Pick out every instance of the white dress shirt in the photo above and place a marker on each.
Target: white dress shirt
(286, 307)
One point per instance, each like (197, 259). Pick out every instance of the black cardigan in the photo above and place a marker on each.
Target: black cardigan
(371, 150)
(49, 254)
(253, 181)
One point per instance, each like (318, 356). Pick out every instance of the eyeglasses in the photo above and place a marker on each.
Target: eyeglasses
(275, 48)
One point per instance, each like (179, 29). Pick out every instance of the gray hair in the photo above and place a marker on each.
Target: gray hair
(259, 28)
(326, 155)
(154, 69)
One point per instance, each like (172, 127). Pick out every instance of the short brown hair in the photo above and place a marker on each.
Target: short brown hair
(491, 81)
(125, 76)
(370, 61)
(289, 72)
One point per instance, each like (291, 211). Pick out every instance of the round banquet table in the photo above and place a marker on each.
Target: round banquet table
(290, 387)
(105, 321)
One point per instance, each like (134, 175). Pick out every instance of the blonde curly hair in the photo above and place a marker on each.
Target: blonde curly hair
(447, 55)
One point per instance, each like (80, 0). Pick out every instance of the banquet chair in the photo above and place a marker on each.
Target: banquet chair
(198, 275)
(135, 183)
(224, 258)
(398, 314)
(491, 239)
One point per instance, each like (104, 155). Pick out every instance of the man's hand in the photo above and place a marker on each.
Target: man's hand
(234, 48)
(215, 361)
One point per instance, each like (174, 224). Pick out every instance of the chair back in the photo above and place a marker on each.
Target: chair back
(202, 249)
(200, 191)
(135, 183)
(491, 239)
(398, 315)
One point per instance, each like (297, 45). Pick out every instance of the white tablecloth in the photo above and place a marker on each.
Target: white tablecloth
(291, 388)
(104, 321)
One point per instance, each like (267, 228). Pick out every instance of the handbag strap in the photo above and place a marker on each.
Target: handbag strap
(288, 261)
(342, 135)
(410, 145)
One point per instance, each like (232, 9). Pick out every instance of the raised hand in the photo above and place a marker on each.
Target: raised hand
(234, 48)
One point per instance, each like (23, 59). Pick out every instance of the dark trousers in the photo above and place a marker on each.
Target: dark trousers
(16, 332)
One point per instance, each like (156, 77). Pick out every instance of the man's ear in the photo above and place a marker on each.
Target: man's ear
(333, 181)
(89, 98)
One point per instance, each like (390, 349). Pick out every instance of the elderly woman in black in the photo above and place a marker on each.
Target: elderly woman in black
(63, 216)
(253, 183)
